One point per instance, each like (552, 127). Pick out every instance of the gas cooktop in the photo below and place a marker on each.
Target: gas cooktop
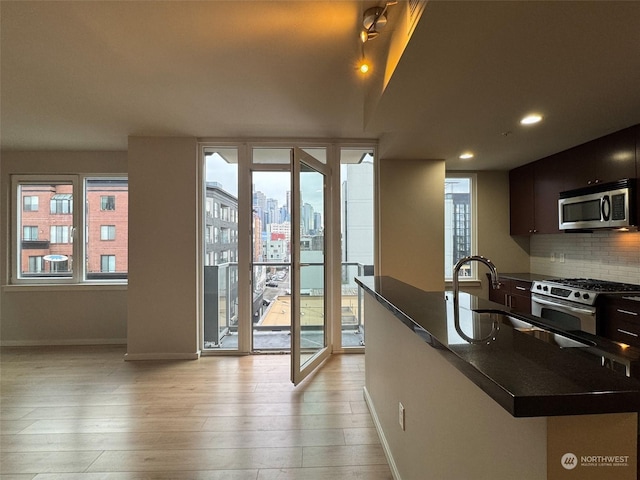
(597, 285)
(581, 290)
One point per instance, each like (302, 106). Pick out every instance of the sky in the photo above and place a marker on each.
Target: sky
(272, 184)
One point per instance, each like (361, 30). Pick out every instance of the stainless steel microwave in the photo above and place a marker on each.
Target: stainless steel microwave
(608, 205)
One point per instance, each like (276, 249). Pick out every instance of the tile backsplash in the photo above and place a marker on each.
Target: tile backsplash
(605, 255)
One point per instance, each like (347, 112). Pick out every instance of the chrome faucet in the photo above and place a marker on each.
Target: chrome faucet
(476, 258)
(456, 287)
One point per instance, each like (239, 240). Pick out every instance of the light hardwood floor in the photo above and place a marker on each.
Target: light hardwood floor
(84, 413)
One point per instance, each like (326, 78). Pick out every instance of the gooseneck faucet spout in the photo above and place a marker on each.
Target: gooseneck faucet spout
(473, 258)
(456, 290)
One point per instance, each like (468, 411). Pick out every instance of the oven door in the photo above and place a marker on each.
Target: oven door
(563, 314)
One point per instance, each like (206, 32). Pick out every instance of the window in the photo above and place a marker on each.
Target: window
(29, 204)
(29, 233)
(107, 263)
(224, 235)
(459, 208)
(46, 245)
(60, 267)
(59, 234)
(224, 213)
(36, 264)
(107, 202)
(102, 195)
(107, 232)
(62, 203)
(357, 237)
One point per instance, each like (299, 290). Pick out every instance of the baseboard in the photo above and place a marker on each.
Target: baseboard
(65, 343)
(383, 439)
(134, 357)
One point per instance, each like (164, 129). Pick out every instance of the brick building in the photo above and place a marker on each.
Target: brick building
(48, 230)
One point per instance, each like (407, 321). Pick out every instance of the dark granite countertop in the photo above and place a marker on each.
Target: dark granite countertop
(525, 375)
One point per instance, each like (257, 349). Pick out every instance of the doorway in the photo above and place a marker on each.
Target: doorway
(271, 260)
(274, 280)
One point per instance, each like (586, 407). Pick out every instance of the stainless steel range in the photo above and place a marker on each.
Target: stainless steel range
(571, 303)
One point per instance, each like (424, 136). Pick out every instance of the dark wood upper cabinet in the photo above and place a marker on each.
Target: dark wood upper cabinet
(637, 151)
(534, 188)
(547, 187)
(602, 160)
(533, 197)
(521, 200)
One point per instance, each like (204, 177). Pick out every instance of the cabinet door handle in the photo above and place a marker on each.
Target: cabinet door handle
(627, 332)
(521, 288)
(635, 314)
(507, 300)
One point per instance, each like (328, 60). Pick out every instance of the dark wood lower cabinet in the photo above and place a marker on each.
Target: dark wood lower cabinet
(619, 320)
(512, 293)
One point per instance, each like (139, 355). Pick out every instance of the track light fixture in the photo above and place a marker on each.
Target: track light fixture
(374, 19)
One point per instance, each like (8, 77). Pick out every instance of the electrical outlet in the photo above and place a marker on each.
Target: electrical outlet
(401, 415)
(552, 257)
(562, 258)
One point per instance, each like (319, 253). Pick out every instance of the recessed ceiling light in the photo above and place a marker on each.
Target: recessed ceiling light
(531, 119)
(466, 155)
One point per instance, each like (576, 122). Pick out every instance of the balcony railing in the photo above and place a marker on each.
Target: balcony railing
(35, 244)
(271, 300)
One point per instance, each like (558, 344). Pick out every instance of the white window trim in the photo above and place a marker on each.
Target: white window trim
(108, 229)
(77, 236)
(474, 279)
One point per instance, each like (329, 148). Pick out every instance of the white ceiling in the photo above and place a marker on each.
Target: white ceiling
(87, 74)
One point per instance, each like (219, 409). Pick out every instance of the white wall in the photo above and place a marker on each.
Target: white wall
(509, 254)
(49, 315)
(411, 222)
(605, 255)
(164, 209)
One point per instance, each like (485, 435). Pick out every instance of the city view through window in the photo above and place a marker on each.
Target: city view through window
(271, 251)
(458, 224)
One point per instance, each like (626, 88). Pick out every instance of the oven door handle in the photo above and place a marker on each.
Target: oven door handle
(557, 305)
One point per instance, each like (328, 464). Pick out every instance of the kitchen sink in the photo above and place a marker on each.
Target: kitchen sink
(553, 338)
(588, 348)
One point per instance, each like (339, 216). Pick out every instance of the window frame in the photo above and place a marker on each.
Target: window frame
(473, 186)
(111, 259)
(33, 259)
(77, 234)
(62, 234)
(30, 204)
(111, 233)
(29, 238)
(63, 205)
(104, 206)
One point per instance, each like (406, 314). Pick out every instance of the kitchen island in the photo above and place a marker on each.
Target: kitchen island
(509, 406)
